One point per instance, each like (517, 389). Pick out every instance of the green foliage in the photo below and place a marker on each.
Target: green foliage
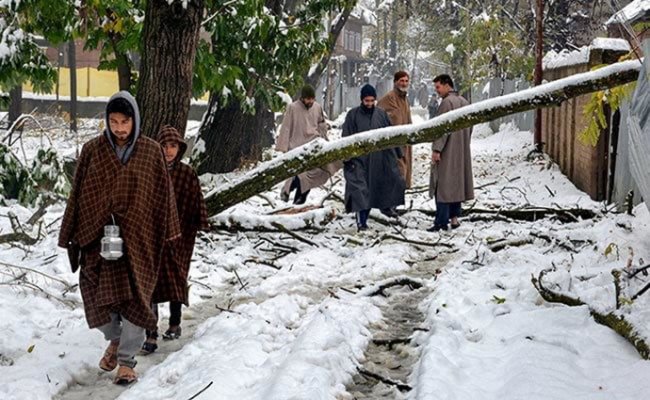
(45, 174)
(257, 53)
(48, 173)
(20, 57)
(624, 301)
(15, 180)
(498, 300)
(594, 111)
(114, 27)
(484, 47)
(641, 26)
(610, 249)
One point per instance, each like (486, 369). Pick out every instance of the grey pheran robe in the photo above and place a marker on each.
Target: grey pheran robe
(301, 125)
(451, 179)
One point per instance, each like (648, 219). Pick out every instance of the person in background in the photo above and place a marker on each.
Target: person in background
(433, 106)
(303, 122)
(172, 284)
(372, 180)
(396, 105)
(451, 181)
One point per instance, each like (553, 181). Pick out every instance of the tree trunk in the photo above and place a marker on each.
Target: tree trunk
(124, 72)
(233, 137)
(15, 107)
(319, 153)
(169, 40)
(124, 66)
(313, 79)
(72, 63)
(393, 38)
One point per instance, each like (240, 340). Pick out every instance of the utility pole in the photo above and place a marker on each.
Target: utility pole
(72, 64)
(539, 54)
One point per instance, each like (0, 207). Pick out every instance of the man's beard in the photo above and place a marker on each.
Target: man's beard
(308, 106)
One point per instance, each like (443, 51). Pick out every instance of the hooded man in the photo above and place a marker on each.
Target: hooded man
(303, 122)
(120, 179)
(396, 104)
(193, 216)
(372, 180)
(451, 180)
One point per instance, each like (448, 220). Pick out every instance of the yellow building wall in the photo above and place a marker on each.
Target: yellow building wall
(90, 83)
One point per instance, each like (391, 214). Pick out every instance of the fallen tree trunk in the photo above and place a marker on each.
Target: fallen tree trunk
(536, 213)
(618, 323)
(531, 214)
(502, 244)
(241, 221)
(319, 152)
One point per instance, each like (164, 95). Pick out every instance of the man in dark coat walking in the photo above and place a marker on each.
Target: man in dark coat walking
(121, 179)
(373, 180)
(451, 180)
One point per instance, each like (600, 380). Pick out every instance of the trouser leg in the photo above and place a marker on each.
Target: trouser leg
(131, 341)
(454, 210)
(362, 218)
(175, 313)
(442, 214)
(153, 334)
(113, 329)
(299, 197)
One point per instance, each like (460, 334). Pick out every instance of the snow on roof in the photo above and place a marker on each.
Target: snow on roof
(565, 58)
(630, 13)
(554, 59)
(610, 44)
(366, 16)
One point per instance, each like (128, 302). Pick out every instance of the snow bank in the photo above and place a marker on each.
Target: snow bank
(281, 349)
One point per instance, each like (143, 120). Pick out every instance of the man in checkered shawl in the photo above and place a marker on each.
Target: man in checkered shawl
(121, 178)
(193, 216)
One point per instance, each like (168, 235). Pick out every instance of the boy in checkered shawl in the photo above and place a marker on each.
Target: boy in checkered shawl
(193, 216)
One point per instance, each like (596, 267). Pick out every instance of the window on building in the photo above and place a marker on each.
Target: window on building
(358, 42)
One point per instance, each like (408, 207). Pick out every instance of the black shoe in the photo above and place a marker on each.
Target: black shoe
(362, 228)
(454, 226)
(148, 348)
(172, 334)
(437, 228)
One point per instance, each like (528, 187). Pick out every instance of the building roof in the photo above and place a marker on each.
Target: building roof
(565, 58)
(364, 15)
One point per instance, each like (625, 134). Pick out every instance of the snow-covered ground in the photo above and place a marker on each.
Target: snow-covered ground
(297, 318)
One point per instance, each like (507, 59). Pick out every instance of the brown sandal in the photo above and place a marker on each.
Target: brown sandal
(125, 376)
(109, 361)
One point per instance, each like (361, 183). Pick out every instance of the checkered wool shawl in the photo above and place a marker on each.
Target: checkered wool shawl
(139, 195)
(193, 216)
